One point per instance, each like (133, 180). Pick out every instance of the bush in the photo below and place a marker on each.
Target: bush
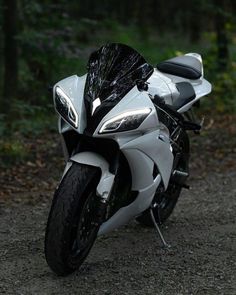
(12, 152)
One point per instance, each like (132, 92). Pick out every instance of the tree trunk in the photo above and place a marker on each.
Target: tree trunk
(221, 35)
(195, 21)
(10, 54)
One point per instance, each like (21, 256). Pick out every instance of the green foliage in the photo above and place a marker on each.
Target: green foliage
(223, 82)
(33, 120)
(56, 38)
(224, 89)
(12, 151)
(2, 124)
(28, 120)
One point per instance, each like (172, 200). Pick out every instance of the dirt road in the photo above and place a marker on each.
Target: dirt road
(131, 260)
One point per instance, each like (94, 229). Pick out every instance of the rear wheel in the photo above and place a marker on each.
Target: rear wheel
(71, 229)
(164, 202)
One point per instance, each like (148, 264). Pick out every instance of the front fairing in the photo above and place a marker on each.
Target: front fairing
(113, 71)
(112, 76)
(133, 100)
(73, 86)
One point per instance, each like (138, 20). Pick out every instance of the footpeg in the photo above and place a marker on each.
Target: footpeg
(178, 173)
(188, 125)
(165, 244)
(179, 177)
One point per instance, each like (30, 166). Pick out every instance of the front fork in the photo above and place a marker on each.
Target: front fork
(106, 181)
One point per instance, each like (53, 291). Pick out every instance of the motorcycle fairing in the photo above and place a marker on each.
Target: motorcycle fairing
(73, 86)
(144, 147)
(147, 139)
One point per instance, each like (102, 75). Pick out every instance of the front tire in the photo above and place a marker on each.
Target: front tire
(71, 230)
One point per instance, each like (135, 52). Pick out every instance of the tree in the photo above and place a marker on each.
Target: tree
(221, 34)
(10, 79)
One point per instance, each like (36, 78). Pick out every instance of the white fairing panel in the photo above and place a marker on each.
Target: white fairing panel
(74, 87)
(134, 100)
(201, 89)
(161, 85)
(148, 143)
(152, 146)
(143, 148)
(124, 214)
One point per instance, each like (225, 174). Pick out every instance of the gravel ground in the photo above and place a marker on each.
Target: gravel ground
(131, 260)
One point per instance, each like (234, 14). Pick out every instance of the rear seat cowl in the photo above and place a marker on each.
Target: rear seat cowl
(184, 66)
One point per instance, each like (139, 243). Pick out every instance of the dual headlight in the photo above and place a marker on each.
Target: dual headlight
(124, 122)
(65, 107)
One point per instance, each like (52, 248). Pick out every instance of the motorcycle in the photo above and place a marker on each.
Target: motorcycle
(123, 127)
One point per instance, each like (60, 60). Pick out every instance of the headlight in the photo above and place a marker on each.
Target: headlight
(65, 107)
(125, 121)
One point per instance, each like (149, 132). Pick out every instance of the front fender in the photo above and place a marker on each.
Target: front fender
(92, 159)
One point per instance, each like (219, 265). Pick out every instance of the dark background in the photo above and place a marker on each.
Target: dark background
(42, 42)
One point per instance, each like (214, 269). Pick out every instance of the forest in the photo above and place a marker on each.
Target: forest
(42, 42)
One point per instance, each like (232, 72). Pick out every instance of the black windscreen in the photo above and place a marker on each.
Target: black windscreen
(112, 72)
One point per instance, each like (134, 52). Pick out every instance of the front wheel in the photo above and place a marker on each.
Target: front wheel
(71, 230)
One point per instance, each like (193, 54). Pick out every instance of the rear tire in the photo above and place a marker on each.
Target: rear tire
(167, 200)
(70, 231)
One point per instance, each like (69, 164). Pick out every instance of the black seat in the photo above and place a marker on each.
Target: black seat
(186, 94)
(183, 66)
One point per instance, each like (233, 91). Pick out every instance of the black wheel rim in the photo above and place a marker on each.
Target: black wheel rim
(163, 200)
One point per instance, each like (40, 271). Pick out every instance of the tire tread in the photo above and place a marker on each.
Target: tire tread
(65, 202)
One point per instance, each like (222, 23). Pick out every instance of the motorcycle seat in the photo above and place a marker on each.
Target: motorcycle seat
(184, 66)
(186, 94)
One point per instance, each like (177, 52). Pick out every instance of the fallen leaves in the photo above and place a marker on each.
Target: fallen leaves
(41, 172)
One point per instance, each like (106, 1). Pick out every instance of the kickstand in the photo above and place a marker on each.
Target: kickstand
(165, 244)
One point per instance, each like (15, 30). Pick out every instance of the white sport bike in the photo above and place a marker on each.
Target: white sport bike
(123, 128)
